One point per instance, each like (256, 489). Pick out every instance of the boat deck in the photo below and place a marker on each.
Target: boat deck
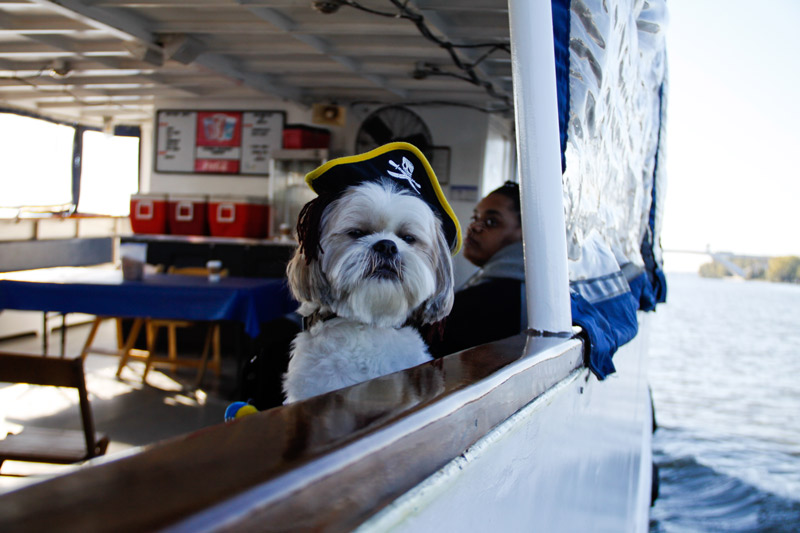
(130, 413)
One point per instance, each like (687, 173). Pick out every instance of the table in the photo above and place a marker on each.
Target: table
(103, 292)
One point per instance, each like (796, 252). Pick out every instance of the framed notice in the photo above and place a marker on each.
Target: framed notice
(217, 142)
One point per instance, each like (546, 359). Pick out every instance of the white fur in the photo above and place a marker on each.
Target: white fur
(339, 352)
(370, 335)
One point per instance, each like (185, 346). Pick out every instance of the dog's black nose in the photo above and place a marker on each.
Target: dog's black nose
(385, 248)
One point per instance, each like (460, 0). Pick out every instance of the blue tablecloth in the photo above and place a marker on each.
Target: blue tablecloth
(250, 301)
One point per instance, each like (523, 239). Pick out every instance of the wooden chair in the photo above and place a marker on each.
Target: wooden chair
(41, 445)
(88, 345)
(46, 316)
(212, 341)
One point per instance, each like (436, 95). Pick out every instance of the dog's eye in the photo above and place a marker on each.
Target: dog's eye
(409, 239)
(356, 233)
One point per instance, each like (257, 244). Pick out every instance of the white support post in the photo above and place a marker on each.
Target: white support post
(539, 153)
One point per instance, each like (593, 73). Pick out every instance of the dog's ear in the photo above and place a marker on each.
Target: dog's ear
(439, 305)
(306, 280)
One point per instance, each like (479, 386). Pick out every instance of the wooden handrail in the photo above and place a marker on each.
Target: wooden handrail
(329, 462)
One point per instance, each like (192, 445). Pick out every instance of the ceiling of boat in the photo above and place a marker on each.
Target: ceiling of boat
(90, 60)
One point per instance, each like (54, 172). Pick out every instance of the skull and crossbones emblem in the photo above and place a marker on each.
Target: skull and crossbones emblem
(405, 171)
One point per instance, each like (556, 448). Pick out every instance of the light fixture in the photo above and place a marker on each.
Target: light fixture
(145, 52)
(327, 6)
(421, 70)
(181, 47)
(60, 68)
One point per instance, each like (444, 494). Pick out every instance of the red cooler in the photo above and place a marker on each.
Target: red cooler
(261, 218)
(227, 216)
(231, 216)
(187, 215)
(301, 136)
(149, 213)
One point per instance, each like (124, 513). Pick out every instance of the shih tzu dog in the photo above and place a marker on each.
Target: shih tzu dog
(373, 264)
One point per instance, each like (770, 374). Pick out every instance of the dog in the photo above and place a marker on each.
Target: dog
(373, 265)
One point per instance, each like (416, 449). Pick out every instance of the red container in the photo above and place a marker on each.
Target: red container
(187, 215)
(149, 213)
(301, 136)
(260, 218)
(238, 216)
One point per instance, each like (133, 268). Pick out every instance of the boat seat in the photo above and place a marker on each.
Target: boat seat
(42, 445)
(212, 342)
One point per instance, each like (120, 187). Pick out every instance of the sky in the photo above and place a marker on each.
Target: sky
(733, 182)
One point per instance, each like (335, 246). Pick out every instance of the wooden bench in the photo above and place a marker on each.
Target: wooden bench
(43, 445)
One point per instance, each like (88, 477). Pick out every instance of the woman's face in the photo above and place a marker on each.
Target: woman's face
(494, 225)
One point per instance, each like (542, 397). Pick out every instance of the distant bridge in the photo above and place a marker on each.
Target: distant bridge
(726, 260)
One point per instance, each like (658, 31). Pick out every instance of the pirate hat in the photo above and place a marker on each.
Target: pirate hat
(400, 162)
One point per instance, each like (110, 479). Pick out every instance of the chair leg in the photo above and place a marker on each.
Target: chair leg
(120, 334)
(125, 352)
(217, 350)
(90, 339)
(151, 334)
(45, 334)
(100, 447)
(172, 333)
(204, 358)
(63, 335)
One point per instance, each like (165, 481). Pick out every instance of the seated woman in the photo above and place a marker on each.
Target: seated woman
(490, 305)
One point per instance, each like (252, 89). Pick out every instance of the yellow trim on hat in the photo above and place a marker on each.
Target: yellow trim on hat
(314, 174)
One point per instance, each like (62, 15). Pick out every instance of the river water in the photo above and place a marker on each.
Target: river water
(725, 375)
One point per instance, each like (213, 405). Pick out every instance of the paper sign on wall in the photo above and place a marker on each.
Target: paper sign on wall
(217, 142)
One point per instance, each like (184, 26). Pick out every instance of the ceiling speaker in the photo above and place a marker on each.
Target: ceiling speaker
(328, 115)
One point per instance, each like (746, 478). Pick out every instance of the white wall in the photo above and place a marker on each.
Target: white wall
(152, 181)
(465, 131)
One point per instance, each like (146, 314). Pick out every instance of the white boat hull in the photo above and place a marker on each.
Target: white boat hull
(577, 458)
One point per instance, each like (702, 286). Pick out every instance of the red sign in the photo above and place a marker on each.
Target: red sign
(217, 166)
(219, 128)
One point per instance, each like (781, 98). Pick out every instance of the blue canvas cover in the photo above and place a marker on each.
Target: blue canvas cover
(611, 80)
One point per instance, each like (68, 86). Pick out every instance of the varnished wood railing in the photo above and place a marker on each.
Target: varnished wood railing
(325, 464)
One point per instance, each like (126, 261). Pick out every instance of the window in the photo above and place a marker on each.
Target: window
(35, 162)
(109, 173)
(36, 168)
(497, 162)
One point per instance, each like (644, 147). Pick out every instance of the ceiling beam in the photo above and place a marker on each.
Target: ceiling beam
(289, 26)
(124, 25)
(261, 82)
(128, 26)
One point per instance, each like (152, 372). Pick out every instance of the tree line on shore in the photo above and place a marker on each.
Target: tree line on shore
(784, 269)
